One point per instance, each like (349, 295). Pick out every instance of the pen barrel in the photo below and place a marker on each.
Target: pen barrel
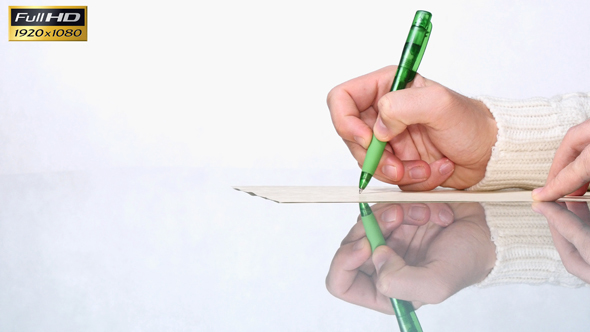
(406, 71)
(407, 319)
(404, 310)
(413, 50)
(371, 226)
(403, 76)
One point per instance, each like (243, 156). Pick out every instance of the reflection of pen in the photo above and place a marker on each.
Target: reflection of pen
(404, 310)
(408, 66)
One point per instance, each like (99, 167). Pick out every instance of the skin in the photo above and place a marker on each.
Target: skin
(569, 224)
(433, 250)
(570, 171)
(436, 137)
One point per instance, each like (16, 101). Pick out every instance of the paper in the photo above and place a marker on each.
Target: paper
(335, 194)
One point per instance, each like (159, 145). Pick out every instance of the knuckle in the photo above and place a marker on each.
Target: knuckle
(441, 93)
(330, 287)
(339, 127)
(384, 105)
(585, 163)
(383, 283)
(332, 95)
(571, 132)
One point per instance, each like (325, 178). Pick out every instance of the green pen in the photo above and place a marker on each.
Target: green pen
(406, 71)
(404, 310)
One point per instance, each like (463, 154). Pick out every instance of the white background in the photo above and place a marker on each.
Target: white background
(243, 83)
(233, 85)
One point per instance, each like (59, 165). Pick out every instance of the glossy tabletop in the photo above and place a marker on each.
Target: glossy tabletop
(177, 249)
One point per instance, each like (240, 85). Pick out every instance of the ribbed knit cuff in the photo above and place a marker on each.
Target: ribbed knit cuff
(529, 133)
(525, 252)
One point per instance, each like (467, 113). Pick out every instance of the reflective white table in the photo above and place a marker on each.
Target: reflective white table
(180, 250)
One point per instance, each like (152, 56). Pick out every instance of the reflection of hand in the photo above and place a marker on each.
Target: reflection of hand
(570, 170)
(570, 228)
(429, 128)
(433, 251)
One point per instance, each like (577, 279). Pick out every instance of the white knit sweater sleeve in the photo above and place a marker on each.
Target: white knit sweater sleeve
(525, 253)
(529, 133)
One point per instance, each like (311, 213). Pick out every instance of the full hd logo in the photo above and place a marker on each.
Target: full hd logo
(48, 23)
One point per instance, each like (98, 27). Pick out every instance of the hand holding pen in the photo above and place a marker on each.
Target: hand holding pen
(424, 135)
(428, 256)
(435, 136)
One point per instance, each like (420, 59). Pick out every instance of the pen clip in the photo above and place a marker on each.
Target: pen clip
(422, 48)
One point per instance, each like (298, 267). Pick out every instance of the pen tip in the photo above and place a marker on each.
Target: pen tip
(360, 191)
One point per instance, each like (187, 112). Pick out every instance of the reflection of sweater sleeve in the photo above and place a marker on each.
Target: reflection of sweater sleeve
(525, 252)
(529, 132)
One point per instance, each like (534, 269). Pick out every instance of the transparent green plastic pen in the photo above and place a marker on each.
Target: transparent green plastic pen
(406, 71)
(404, 310)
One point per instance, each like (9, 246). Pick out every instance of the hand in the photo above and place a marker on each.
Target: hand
(433, 251)
(569, 224)
(435, 136)
(570, 171)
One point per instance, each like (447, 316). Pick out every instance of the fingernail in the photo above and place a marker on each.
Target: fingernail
(417, 212)
(360, 244)
(446, 168)
(360, 141)
(390, 171)
(535, 207)
(537, 191)
(380, 127)
(446, 217)
(417, 173)
(389, 215)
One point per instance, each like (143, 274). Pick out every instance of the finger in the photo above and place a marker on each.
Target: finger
(346, 282)
(412, 214)
(580, 191)
(404, 147)
(570, 256)
(348, 100)
(567, 224)
(395, 171)
(416, 214)
(440, 171)
(420, 240)
(390, 168)
(570, 178)
(581, 210)
(413, 175)
(357, 151)
(356, 232)
(397, 280)
(401, 238)
(573, 143)
(389, 216)
(441, 214)
(344, 267)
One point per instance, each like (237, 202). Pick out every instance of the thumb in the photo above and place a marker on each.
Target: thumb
(399, 109)
(398, 280)
(387, 265)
